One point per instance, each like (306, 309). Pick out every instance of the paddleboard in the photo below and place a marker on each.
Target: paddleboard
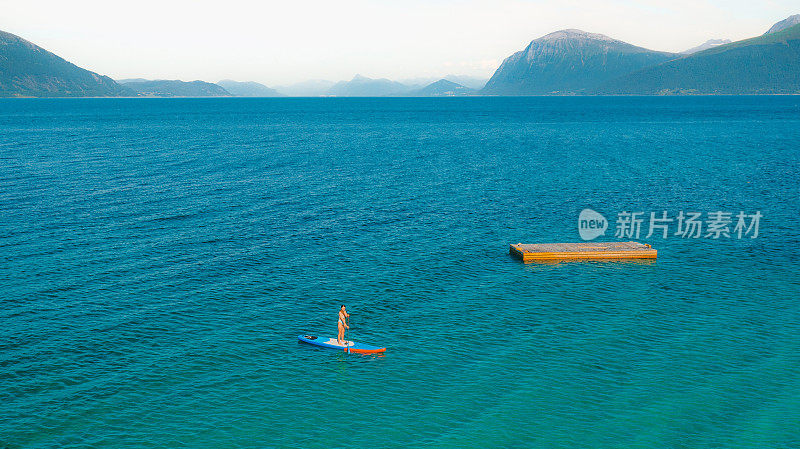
(331, 343)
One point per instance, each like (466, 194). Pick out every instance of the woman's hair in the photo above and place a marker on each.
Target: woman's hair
(341, 307)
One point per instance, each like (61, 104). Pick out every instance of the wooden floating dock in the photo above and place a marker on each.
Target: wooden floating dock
(532, 252)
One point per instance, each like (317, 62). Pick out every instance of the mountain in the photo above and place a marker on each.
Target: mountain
(419, 82)
(471, 82)
(361, 86)
(248, 89)
(130, 80)
(175, 88)
(569, 62)
(441, 88)
(768, 64)
(27, 70)
(784, 24)
(711, 43)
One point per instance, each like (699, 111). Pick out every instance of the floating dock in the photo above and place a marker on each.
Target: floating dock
(532, 252)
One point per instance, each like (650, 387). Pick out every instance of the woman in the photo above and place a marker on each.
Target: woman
(343, 316)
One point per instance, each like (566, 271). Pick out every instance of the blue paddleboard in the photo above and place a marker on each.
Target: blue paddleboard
(331, 343)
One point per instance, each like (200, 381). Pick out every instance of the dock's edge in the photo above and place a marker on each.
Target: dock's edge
(517, 251)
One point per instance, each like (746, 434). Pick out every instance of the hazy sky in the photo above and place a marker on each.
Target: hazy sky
(280, 42)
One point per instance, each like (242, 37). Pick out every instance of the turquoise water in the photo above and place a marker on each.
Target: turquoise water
(158, 259)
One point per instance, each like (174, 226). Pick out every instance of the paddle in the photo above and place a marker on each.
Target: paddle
(347, 320)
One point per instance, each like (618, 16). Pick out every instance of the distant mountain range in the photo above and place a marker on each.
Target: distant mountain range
(174, 88)
(471, 82)
(441, 88)
(361, 86)
(309, 88)
(711, 43)
(248, 89)
(567, 62)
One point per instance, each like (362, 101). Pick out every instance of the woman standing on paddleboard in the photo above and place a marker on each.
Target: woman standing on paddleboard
(343, 316)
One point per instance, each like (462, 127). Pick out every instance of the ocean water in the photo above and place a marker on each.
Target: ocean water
(158, 258)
